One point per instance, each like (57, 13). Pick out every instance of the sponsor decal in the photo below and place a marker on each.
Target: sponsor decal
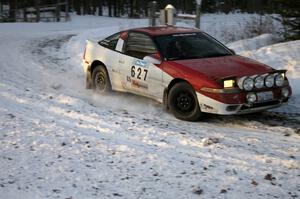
(207, 108)
(138, 84)
(141, 63)
(184, 34)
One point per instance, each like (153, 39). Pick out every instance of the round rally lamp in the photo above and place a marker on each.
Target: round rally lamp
(279, 79)
(259, 82)
(251, 97)
(240, 82)
(285, 92)
(248, 84)
(269, 81)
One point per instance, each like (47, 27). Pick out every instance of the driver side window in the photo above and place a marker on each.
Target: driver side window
(139, 45)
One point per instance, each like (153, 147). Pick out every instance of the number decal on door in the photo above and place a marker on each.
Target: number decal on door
(139, 70)
(133, 71)
(138, 73)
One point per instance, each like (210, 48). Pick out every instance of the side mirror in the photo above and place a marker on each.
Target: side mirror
(153, 59)
(232, 51)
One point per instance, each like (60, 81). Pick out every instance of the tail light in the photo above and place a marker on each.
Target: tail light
(83, 56)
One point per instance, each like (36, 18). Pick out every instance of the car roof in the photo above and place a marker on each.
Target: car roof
(164, 30)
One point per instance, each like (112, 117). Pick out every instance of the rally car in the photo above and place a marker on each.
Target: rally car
(184, 68)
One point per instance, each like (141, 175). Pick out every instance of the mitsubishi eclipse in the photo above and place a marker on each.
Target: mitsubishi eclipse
(187, 70)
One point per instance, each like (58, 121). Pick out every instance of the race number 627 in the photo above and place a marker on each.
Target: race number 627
(139, 72)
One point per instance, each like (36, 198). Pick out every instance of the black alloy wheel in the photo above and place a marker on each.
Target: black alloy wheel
(183, 102)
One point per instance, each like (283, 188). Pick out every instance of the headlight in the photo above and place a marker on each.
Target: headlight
(248, 84)
(228, 83)
(269, 81)
(259, 82)
(279, 79)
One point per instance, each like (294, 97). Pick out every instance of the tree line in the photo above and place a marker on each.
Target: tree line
(288, 9)
(138, 8)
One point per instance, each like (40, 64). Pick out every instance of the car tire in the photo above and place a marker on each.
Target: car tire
(183, 102)
(100, 80)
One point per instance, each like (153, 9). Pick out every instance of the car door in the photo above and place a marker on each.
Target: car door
(140, 76)
(108, 57)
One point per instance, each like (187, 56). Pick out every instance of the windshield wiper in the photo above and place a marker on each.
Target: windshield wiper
(217, 55)
(183, 57)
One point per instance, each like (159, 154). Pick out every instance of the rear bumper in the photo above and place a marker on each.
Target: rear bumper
(85, 66)
(210, 105)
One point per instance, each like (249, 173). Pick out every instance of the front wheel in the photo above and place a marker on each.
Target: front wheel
(101, 80)
(183, 102)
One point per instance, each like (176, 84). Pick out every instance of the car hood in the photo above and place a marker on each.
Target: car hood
(223, 67)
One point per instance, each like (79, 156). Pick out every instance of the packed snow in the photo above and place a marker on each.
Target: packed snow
(253, 43)
(59, 140)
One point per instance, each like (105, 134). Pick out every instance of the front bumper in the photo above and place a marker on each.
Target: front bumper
(210, 105)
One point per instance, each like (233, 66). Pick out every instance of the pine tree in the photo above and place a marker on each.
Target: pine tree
(290, 17)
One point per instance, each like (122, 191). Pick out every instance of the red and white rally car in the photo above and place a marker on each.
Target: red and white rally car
(184, 68)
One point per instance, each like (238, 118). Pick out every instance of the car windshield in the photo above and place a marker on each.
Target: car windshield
(190, 46)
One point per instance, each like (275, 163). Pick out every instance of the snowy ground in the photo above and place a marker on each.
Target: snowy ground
(59, 140)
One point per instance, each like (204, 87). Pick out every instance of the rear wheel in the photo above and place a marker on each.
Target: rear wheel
(183, 102)
(101, 80)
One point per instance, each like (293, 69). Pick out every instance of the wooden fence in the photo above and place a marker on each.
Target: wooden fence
(45, 13)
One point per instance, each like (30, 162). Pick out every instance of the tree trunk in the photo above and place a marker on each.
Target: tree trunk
(100, 12)
(12, 10)
(57, 11)
(76, 6)
(109, 8)
(131, 8)
(67, 6)
(24, 14)
(37, 7)
(115, 7)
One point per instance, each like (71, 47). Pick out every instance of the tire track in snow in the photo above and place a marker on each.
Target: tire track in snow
(69, 148)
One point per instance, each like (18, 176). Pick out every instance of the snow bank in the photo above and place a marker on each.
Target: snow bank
(253, 43)
(235, 26)
(279, 56)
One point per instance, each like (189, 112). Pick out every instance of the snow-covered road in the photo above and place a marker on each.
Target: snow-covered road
(59, 140)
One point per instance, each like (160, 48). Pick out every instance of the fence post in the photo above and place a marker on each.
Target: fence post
(170, 13)
(37, 8)
(197, 19)
(152, 17)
